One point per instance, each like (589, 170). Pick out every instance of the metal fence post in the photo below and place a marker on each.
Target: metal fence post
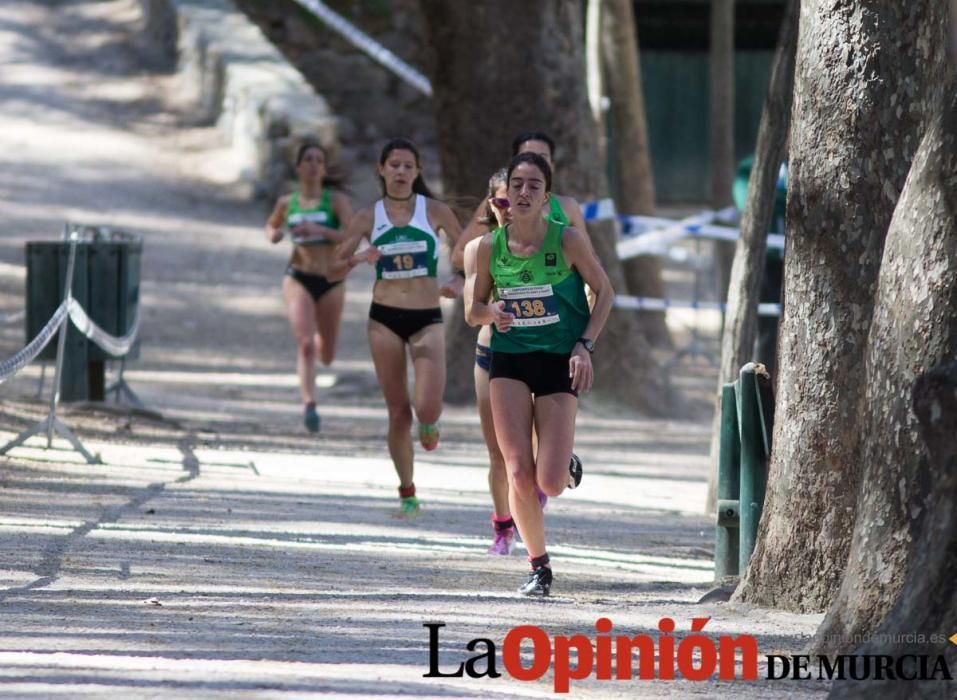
(726, 544)
(61, 341)
(754, 415)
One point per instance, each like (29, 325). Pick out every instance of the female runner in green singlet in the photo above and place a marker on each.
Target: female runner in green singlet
(561, 208)
(313, 216)
(536, 268)
(402, 229)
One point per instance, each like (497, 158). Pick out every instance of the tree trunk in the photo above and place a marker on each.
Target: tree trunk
(856, 125)
(635, 193)
(722, 126)
(925, 612)
(914, 329)
(737, 339)
(533, 82)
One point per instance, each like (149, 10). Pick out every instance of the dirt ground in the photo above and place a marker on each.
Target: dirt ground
(219, 550)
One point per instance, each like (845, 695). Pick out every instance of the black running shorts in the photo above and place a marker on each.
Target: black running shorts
(543, 373)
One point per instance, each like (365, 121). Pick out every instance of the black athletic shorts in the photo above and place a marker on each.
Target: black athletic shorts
(483, 356)
(543, 373)
(404, 322)
(316, 285)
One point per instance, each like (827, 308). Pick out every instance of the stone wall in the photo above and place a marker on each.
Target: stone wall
(371, 104)
(233, 76)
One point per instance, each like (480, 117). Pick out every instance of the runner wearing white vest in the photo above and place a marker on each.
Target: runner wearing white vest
(402, 229)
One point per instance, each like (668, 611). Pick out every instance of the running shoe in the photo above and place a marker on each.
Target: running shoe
(409, 508)
(574, 472)
(539, 582)
(429, 435)
(504, 541)
(310, 419)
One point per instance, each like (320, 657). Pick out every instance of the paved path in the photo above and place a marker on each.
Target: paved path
(219, 550)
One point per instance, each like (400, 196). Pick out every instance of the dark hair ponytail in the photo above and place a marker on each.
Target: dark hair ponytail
(400, 144)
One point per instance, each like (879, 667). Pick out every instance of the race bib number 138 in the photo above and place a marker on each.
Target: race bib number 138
(531, 306)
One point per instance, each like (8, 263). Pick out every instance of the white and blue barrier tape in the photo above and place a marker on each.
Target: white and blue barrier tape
(623, 301)
(367, 44)
(652, 235)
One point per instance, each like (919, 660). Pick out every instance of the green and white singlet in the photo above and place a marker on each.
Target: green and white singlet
(546, 296)
(407, 251)
(322, 214)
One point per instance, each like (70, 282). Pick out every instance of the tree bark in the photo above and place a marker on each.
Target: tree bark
(534, 80)
(722, 126)
(914, 329)
(635, 193)
(925, 612)
(737, 338)
(859, 104)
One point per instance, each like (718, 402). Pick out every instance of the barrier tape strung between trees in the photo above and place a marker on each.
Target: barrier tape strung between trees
(370, 46)
(652, 235)
(623, 301)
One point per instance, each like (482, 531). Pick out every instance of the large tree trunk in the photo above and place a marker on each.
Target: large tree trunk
(635, 193)
(722, 126)
(856, 125)
(925, 612)
(536, 81)
(914, 329)
(737, 339)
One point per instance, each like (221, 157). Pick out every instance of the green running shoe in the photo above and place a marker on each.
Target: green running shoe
(409, 508)
(310, 419)
(429, 435)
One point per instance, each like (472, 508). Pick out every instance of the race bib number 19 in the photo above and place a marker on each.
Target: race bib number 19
(531, 306)
(404, 260)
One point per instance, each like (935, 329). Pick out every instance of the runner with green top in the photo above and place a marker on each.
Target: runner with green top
(403, 230)
(312, 217)
(535, 269)
(487, 217)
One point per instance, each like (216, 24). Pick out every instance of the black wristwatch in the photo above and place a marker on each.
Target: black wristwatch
(588, 344)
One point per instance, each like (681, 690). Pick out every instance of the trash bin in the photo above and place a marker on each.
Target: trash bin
(106, 283)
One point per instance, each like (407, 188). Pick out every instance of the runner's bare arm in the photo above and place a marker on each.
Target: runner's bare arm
(274, 229)
(573, 210)
(445, 220)
(580, 255)
(470, 263)
(346, 258)
(478, 312)
(474, 229)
